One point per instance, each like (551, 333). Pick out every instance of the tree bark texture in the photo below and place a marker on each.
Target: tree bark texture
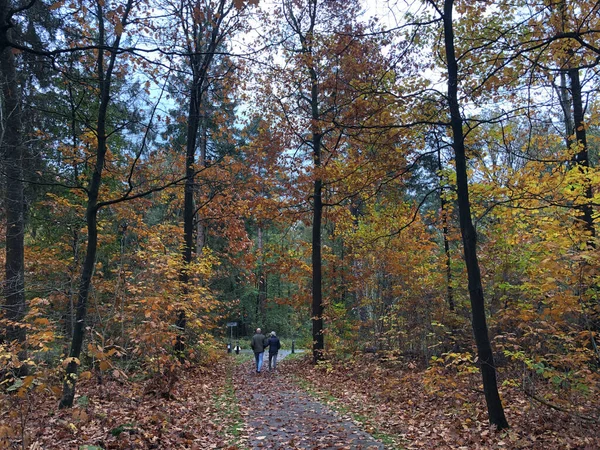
(317, 263)
(484, 349)
(565, 104)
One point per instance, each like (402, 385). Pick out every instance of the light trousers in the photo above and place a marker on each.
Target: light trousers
(259, 360)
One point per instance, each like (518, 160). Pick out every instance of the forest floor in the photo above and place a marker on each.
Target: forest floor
(280, 415)
(362, 403)
(398, 404)
(194, 410)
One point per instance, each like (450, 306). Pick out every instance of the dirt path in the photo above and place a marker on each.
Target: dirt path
(279, 415)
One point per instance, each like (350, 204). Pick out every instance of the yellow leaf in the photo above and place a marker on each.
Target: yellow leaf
(68, 361)
(86, 375)
(27, 381)
(104, 365)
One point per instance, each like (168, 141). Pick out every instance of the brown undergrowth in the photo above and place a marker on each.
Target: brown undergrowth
(183, 412)
(399, 400)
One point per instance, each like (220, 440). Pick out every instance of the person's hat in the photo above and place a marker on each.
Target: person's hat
(272, 333)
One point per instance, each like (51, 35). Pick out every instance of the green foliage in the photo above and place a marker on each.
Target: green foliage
(228, 406)
(558, 379)
(126, 427)
(83, 401)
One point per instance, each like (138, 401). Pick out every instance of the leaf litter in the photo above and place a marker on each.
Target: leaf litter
(281, 415)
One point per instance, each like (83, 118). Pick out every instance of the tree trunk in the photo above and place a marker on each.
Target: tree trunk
(317, 270)
(305, 38)
(484, 349)
(581, 158)
(188, 199)
(261, 280)
(190, 161)
(200, 227)
(200, 62)
(565, 103)
(444, 214)
(85, 283)
(12, 151)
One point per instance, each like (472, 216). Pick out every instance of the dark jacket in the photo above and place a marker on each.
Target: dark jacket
(274, 345)
(259, 342)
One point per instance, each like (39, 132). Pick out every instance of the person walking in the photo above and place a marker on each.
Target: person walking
(274, 346)
(258, 344)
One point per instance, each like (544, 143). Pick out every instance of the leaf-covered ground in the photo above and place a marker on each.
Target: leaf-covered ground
(339, 405)
(197, 414)
(279, 414)
(399, 403)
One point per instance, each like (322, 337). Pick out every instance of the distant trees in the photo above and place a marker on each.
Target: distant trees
(325, 95)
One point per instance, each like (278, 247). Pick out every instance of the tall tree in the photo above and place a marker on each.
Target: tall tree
(557, 41)
(468, 232)
(12, 153)
(330, 103)
(204, 28)
(105, 72)
(304, 21)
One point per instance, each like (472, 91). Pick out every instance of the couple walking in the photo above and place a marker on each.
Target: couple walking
(259, 343)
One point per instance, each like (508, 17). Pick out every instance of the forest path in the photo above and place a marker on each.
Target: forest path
(280, 415)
